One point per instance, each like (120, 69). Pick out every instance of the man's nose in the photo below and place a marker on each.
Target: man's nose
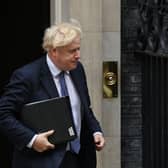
(77, 54)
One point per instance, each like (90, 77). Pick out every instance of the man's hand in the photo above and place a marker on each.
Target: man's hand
(41, 142)
(99, 141)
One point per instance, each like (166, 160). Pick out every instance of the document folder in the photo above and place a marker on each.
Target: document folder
(50, 114)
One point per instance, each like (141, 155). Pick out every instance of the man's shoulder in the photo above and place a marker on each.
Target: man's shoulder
(31, 68)
(34, 65)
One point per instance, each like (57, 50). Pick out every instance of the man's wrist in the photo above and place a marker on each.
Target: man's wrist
(97, 133)
(30, 144)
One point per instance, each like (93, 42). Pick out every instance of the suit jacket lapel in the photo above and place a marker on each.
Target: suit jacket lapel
(47, 80)
(77, 83)
(79, 88)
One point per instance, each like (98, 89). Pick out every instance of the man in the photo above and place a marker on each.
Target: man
(40, 80)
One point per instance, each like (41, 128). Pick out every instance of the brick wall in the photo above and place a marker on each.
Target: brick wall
(131, 117)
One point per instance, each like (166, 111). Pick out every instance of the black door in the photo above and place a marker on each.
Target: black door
(22, 28)
(155, 110)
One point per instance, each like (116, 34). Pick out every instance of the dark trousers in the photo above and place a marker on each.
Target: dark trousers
(70, 161)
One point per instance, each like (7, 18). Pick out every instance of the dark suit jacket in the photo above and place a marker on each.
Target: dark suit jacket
(31, 83)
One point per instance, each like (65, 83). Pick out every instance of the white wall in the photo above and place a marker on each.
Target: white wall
(100, 21)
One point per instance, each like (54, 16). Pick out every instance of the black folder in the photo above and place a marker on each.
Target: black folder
(50, 114)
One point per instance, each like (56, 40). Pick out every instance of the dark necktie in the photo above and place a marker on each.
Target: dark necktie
(64, 90)
(75, 144)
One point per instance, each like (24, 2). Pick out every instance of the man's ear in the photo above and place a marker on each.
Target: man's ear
(53, 52)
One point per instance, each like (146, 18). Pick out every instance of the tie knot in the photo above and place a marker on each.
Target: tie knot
(61, 74)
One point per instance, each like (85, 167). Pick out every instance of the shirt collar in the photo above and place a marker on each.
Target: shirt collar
(55, 71)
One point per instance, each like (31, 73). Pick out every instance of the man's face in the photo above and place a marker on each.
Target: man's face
(66, 58)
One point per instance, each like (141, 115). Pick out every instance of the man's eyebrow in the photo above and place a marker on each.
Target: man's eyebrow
(74, 49)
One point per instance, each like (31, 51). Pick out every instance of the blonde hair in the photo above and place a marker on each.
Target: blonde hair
(61, 34)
